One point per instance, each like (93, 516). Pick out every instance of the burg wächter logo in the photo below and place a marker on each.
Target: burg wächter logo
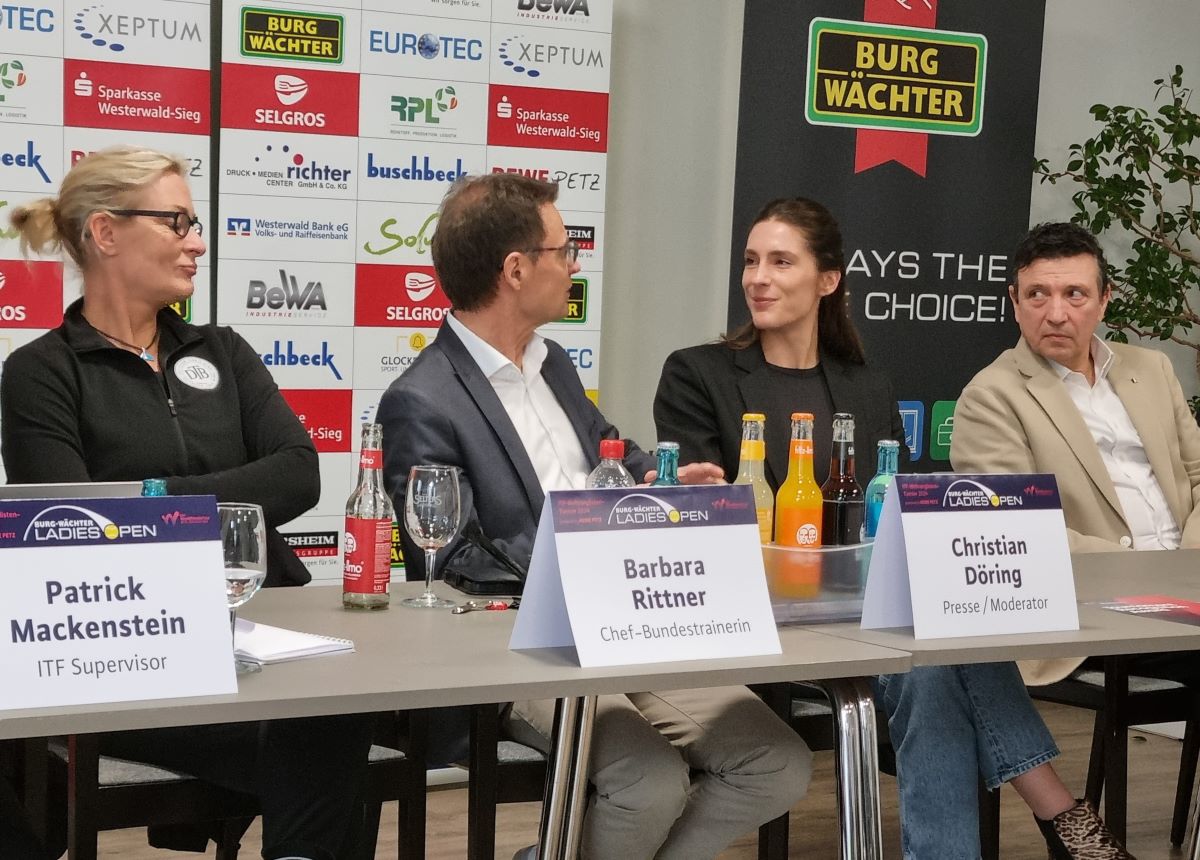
(965, 493)
(281, 34)
(72, 523)
(645, 509)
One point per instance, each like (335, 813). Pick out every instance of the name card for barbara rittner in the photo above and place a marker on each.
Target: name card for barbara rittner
(648, 575)
(109, 600)
(965, 555)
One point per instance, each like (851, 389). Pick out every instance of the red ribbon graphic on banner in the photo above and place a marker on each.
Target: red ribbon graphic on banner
(873, 147)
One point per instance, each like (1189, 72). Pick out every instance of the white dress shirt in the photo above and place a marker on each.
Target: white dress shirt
(1151, 523)
(546, 432)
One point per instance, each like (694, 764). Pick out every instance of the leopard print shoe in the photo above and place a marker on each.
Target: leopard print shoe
(1080, 834)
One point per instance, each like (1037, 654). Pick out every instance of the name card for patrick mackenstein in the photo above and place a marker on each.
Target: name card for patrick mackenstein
(966, 555)
(109, 600)
(648, 575)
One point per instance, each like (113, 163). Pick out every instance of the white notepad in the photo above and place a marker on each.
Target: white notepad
(263, 643)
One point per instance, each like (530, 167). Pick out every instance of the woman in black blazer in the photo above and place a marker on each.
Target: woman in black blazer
(949, 725)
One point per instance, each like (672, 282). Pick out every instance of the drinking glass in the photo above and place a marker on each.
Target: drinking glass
(431, 512)
(244, 541)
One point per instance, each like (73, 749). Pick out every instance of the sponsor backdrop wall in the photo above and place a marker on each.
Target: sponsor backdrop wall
(341, 126)
(914, 123)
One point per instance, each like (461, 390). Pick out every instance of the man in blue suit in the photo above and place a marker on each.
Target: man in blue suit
(505, 405)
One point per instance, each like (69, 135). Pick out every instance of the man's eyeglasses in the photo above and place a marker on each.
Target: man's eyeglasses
(181, 222)
(570, 250)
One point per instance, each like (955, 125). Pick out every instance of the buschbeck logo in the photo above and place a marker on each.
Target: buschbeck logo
(104, 28)
(527, 56)
(73, 524)
(551, 10)
(25, 156)
(313, 544)
(279, 165)
(290, 35)
(26, 19)
(413, 170)
(325, 414)
(584, 236)
(314, 101)
(30, 294)
(427, 46)
(645, 509)
(285, 354)
(285, 228)
(119, 95)
(286, 298)
(394, 236)
(972, 494)
(548, 119)
(407, 296)
(882, 76)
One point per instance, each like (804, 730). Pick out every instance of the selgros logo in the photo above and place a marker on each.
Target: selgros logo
(548, 119)
(121, 95)
(288, 297)
(315, 101)
(325, 414)
(285, 353)
(282, 34)
(31, 294)
(407, 296)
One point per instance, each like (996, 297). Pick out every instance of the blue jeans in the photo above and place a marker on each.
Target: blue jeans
(951, 726)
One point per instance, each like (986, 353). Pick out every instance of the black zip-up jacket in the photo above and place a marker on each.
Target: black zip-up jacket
(75, 408)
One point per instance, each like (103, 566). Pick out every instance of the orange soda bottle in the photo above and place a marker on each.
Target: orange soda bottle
(798, 515)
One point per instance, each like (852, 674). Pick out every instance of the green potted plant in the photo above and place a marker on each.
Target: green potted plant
(1137, 183)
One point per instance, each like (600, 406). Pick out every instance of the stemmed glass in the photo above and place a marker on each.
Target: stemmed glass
(244, 541)
(431, 512)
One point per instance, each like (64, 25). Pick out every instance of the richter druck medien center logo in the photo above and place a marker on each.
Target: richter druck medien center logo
(645, 509)
(73, 523)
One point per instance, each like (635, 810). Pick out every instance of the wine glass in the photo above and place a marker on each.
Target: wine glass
(244, 542)
(431, 512)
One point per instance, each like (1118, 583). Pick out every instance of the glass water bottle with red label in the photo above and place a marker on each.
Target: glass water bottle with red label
(367, 569)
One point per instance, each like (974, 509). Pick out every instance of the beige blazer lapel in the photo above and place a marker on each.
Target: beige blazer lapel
(1048, 390)
(1147, 416)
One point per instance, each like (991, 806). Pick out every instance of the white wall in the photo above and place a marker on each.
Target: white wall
(672, 138)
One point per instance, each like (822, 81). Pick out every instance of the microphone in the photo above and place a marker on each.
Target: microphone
(474, 535)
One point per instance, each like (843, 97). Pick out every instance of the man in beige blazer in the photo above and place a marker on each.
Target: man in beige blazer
(1109, 420)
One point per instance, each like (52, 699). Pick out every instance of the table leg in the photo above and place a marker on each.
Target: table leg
(577, 800)
(857, 760)
(559, 766)
(1192, 843)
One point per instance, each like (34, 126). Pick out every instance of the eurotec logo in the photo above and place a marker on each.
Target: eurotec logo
(427, 46)
(282, 167)
(26, 19)
(396, 237)
(12, 76)
(965, 493)
(551, 10)
(30, 294)
(281, 34)
(533, 58)
(418, 110)
(283, 228)
(285, 300)
(27, 159)
(72, 523)
(415, 171)
(285, 354)
(645, 509)
(114, 31)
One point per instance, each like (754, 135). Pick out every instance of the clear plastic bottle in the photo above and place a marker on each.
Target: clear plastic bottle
(667, 456)
(611, 472)
(888, 464)
(367, 570)
(751, 470)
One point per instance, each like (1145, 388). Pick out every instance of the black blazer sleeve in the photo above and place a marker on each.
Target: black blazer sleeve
(684, 413)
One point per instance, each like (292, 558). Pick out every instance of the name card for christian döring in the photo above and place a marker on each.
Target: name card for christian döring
(648, 575)
(965, 555)
(110, 600)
